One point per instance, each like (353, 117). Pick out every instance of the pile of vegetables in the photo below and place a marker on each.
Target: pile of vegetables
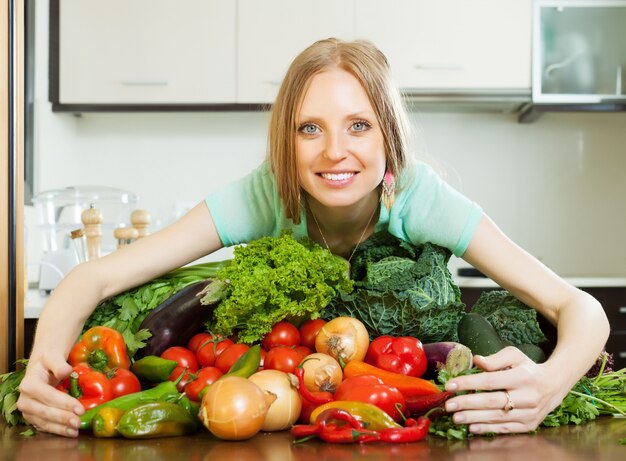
(281, 338)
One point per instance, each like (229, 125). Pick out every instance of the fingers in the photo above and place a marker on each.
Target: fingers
(503, 368)
(482, 400)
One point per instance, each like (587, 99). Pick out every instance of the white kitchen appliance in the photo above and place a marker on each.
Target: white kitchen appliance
(59, 213)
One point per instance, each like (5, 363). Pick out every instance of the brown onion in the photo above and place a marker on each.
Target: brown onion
(343, 338)
(285, 410)
(234, 408)
(321, 372)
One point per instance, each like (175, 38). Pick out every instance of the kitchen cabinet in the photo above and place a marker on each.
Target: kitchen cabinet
(144, 51)
(270, 33)
(613, 300)
(452, 44)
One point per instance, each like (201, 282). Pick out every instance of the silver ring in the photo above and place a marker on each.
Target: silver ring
(509, 405)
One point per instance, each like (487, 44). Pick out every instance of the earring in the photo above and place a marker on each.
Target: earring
(389, 189)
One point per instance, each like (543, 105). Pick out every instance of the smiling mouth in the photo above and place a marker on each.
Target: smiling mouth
(337, 176)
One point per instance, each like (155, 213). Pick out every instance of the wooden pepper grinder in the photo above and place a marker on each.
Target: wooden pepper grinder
(92, 220)
(140, 220)
(125, 235)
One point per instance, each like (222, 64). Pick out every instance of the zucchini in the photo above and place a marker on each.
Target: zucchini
(478, 334)
(535, 353)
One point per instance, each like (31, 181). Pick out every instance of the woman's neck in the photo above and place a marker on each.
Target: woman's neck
(341, 229)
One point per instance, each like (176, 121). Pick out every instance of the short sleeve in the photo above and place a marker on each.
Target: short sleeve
(427, 209)
(249, 208)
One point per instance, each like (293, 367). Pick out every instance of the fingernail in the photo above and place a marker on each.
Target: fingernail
(79, 410)
(479, 357)
(451, 406)
(459, 418)
(452, 386)
(71, 432)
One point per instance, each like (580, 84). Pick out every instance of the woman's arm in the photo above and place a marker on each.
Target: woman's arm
(71, 303)
(534, 389)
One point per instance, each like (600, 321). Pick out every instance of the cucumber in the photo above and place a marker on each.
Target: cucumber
(535, 353)
(478, 334)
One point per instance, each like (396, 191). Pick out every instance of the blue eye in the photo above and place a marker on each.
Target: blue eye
(308, 128)
(360, 126)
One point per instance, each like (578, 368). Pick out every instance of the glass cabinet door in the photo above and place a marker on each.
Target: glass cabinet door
(579, 51)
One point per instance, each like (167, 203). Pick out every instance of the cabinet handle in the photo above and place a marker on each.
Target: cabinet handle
(622, 309)
(272, 82)
(622, 354)
(438, 67)
(144, 83)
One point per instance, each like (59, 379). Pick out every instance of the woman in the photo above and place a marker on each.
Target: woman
(337, 144)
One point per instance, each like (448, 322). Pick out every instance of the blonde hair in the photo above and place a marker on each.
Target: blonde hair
(370, 67)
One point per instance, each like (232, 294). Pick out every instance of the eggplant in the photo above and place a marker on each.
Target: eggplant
(176, 320)
(453, 357)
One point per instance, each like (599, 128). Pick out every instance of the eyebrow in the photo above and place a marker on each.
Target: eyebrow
(359, 114)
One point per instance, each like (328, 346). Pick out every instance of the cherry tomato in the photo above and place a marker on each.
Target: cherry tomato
(204, 377)
(229, 356)
(282, 334)
(183, 356)
(198, 340)
(186, 379)
(208, 353)
(308, 332)
(124, 382)
(282, 358)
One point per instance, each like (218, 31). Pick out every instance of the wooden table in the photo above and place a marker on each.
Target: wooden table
(597, 440)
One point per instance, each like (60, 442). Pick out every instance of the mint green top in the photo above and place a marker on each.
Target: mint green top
(426, 209)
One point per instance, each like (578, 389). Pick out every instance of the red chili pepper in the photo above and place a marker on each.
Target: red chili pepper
(103, 348)
(346, 434)
(413, 433)
(404, 355)
(420, 404)
(317, 398)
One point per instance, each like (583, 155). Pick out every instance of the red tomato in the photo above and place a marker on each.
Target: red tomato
(183, 356)
(207, 354)
(303, 351)
(186, 379)
(198, 340)
(282, 334)
(204, 377)
(308, 332)
(282, 358)
(229, 356)
(124, 382)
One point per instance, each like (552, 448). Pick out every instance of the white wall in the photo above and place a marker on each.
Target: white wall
(557, 186)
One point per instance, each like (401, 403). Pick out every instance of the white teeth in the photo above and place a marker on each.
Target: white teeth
(337, 177)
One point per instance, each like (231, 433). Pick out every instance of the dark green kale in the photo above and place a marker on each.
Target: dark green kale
(402, 289)
(515, 322)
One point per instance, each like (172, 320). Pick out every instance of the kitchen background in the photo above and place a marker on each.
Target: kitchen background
(556, 186)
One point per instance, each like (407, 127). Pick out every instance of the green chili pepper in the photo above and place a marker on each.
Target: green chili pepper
(157, 419)
(244, 367)
(193, 408)
(164, 392)
(370, 415)
(153, 369)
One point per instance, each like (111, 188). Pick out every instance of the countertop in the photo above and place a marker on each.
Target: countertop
(35, 301)
(597, 440)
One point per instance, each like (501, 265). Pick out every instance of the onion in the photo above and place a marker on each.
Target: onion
(234, 408)
(343, 338)
(285, 410)
(321, 372)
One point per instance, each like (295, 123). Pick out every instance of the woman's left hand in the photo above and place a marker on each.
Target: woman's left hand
(520, 393)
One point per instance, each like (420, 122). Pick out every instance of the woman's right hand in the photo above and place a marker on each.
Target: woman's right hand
(42, 405)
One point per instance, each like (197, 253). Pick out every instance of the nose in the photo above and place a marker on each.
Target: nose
(335, 148)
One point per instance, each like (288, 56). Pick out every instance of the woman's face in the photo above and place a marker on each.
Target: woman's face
(339, 144)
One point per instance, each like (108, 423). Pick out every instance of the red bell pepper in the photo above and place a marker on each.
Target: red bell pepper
(102, 348)
(89, 386)
(370, 389)
(404, 355)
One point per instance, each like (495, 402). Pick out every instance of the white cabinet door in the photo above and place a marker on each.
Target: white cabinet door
(147, 51)
(272, 32)
(451, 44)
